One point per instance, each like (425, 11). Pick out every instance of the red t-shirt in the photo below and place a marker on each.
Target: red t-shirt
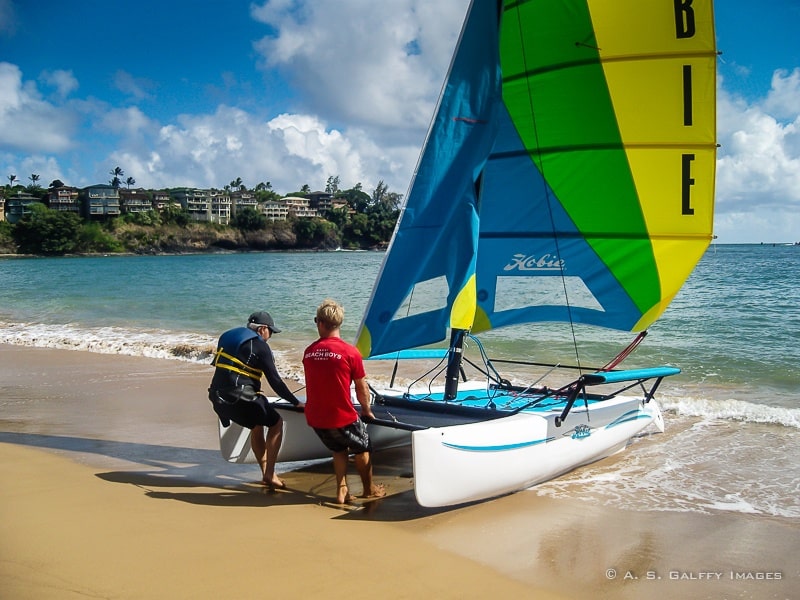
(331, 365)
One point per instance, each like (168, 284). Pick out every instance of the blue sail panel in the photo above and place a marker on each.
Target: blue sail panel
(436, 237)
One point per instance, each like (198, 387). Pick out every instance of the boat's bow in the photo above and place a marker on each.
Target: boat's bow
(477, 461)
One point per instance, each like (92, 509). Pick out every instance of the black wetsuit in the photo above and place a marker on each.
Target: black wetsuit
(236, 385)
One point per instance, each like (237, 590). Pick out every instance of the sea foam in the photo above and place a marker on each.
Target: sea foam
(732, 410)
(111, 340)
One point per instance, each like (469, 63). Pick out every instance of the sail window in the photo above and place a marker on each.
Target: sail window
(426, 296)
(517, 292)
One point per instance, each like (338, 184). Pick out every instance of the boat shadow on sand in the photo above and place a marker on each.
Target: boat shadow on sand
(200, 476)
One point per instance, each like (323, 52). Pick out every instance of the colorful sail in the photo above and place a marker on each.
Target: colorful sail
(568, 174)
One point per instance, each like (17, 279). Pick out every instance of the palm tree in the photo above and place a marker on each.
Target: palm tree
(332, 187)
(129, 182)
(34, 179)
(237, 183)
(379, 193)
(11, 180)
(117, 173)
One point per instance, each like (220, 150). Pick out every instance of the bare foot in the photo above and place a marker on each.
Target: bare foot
(378, 491)
(344, 496)
(275, 484)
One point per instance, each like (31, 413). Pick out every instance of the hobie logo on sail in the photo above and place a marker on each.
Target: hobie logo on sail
(545, 262)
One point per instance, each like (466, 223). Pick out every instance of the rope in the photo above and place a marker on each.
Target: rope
(625, 353)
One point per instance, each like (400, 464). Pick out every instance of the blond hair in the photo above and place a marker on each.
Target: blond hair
(331, 313)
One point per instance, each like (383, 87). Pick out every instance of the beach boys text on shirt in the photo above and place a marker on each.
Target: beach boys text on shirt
(322, 354)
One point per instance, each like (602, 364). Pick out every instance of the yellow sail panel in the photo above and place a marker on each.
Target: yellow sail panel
(482, 322)
(462, 314)
(679, 221)
(364, 342)
(659, 61)
(676, 261)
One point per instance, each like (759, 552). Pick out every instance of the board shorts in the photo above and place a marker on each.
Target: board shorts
(352, 438)
(243, 406)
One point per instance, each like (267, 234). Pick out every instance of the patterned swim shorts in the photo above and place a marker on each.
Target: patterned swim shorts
(353, 437)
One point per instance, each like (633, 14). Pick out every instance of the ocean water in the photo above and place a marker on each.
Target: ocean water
(732, 415)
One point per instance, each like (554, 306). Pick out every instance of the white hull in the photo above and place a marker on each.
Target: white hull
(465, 463)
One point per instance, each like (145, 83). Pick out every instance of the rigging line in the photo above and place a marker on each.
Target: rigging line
(540, 163)
(612, 364)
(440, 366)
(489, 369)
(487, 363)
(408, 313)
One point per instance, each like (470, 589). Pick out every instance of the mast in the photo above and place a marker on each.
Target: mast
(454, 354)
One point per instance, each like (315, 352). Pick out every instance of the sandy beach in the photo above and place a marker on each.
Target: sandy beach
(112, 486)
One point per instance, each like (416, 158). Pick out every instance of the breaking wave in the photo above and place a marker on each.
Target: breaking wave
(111, 340)
(729, 409)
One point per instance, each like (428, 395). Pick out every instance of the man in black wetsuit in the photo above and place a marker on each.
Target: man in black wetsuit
(242, 357)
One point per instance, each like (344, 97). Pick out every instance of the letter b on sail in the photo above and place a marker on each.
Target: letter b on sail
(684, 19)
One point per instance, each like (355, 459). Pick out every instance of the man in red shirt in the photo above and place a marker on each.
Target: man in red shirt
(331, 365)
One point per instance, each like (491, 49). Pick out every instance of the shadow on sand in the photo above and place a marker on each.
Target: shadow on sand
(202, 477)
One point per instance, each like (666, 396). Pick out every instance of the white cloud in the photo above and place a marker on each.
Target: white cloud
(783, 100)
(288, 151)
(63, 81)
(758, 174)
(46, 167)
(27, 122)
(368, 79)
(376, 65)
(135, 87)
(130, 121)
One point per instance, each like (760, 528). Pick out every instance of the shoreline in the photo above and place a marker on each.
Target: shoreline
(112, 485)
(210, 251)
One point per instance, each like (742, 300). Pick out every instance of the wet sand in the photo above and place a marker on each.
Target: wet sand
(111, 485)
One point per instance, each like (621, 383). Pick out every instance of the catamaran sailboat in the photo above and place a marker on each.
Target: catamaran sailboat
(567, 177)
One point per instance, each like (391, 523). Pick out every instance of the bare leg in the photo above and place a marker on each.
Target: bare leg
(266, 452)
(259, 446)
(273, 444)
(340, 471)
(364, 465)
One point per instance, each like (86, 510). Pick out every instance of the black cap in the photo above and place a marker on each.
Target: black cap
(262, 318)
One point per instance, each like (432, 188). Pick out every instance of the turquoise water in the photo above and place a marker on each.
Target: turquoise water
(734, 330)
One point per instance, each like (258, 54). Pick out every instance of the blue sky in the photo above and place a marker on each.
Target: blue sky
(201, 92)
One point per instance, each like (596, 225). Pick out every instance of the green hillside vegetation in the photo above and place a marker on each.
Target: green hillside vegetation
(367, 223)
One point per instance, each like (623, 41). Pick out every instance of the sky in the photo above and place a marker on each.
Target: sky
(291, 92)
